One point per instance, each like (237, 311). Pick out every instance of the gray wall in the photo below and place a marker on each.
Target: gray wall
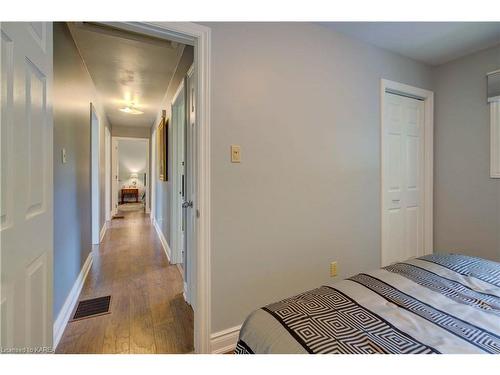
(73, 91)
(163, 194)
(466, 200)
(303, 103)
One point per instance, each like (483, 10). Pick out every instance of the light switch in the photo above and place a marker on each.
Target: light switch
(235, 154)
(63, 155)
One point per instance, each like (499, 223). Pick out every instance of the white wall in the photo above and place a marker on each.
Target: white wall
(303, 102)
(130, 131)
(466, 199)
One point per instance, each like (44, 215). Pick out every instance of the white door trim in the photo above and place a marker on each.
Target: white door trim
(152, 174)
(428, 99)
(114, 176)
(95, 136)
(200, 37)
(107, 173)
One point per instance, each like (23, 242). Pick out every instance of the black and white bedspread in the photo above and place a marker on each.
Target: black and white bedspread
(440, 303)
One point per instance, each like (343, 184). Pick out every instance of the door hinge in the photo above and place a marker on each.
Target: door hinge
(197, 213)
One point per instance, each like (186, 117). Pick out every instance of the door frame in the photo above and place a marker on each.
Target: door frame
(175, 210)
(427, 96)
(148, 159)
(152, 173)
(107, 173)
(198, 36)
(95, 167)
(114, 177)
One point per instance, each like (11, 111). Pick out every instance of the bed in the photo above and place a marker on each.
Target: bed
(439, 303)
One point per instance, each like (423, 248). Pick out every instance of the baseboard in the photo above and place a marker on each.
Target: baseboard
(103, 231)
(224, 341)
(163, 240)
(70, 303)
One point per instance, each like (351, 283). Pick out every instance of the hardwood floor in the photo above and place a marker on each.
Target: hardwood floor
(148, 311)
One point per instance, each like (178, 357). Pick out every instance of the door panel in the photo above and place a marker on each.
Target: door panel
(36, 299)
(26, 160)
(36, 145)
(402, 172)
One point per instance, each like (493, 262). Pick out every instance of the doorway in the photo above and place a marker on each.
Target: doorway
(131, 164)
(406, 172)
(37, 37)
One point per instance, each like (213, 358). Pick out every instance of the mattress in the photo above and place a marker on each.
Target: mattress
(440, 303)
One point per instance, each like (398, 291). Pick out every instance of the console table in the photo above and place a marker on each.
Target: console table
(130, 191)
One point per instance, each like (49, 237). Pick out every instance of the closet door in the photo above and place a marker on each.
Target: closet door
(402, 179)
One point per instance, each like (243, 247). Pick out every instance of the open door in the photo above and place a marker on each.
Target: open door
(26, 222)
(179, 176)
(190, 196)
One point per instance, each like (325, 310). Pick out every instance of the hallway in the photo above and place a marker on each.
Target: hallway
(148, 311)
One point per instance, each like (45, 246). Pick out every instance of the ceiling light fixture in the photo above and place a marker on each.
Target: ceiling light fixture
(131, 110)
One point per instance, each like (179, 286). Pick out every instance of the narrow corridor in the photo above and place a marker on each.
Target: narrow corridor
(148, 311)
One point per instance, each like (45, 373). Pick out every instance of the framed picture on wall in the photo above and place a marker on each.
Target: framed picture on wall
(163, 149)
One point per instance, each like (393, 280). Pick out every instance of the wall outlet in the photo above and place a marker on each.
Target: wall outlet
(63, 156)
(333, 269)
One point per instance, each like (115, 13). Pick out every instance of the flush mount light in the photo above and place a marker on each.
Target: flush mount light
(131, 110)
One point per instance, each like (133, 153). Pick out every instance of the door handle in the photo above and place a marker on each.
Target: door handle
(187, 204)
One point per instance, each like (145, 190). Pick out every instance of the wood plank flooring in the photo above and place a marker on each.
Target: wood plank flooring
(148, 311)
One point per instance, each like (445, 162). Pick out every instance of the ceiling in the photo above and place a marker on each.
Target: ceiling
(433, 43)
(127, 69)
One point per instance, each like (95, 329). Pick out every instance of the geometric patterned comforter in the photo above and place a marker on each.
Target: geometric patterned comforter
(439, 303)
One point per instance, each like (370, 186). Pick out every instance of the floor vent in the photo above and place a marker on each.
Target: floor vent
(92, 307)
(118, 217)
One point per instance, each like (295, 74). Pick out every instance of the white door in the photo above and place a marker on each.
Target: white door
(190, 198)
(26, 185)
(114, 173)
(179, 178)
(402, 179)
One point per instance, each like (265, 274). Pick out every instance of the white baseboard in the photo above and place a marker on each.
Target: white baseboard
(163, 240)
(65, 313)
(103, 231)
(224, 341)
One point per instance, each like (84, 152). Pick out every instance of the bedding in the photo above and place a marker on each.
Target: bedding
(439, 303)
